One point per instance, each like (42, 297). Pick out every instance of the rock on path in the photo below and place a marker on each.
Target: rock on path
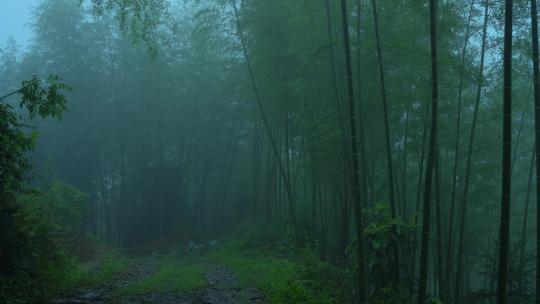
(223, 289)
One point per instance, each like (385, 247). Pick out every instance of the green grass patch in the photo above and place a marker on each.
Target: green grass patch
(171, 277)
(60, 275)
(110, 265)
(106, 268)
(299, 277)
(302, 278)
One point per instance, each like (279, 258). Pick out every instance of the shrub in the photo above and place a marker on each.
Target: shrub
(41, 267)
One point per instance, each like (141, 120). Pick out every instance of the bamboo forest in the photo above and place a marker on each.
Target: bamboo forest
(269, 151)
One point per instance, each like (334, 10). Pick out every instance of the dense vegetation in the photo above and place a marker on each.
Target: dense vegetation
(325, 151)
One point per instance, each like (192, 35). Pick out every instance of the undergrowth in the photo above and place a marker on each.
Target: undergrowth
(109, 266)
(56, 273)
(301, 277)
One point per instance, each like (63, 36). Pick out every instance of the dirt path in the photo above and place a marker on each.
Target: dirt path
(222, 289)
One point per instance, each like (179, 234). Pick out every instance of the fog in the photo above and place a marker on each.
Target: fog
(15, 21)
(286, 151)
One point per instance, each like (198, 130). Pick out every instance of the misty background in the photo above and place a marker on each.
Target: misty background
(314, 151)
(15, 21)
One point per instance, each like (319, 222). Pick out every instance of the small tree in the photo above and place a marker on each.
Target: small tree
(38, 98)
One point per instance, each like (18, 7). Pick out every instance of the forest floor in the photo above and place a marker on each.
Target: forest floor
(193, 279)
(239, 271)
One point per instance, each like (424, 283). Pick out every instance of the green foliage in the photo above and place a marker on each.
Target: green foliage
(37, 100)
(330, 281)
(298, 278)
(266, 238)
(44, 224)
(191, 110)
(33, 266)
(110, 265)
(46, 274)
(14, 142)
(48, 101)
(42, 269)
(140, 19)
(171, 277)
(62, 205)
(381, 235)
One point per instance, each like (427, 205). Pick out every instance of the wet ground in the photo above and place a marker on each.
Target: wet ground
(222, 288)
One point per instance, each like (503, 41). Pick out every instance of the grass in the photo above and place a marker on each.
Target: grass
(279, 279)
(61, 276)
(111, 265)
(172, 276)
(297, 279)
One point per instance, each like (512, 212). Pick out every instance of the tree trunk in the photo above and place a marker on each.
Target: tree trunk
(405, 159)
(507, 157)
(361, 136)
(536, 73)
(345, 151)
(441, 279)
(463, 214)
(418, 196)
(387, 136)
(449, 253)
(282, 170)
(355, 176)
(431, 157)
(523, 238)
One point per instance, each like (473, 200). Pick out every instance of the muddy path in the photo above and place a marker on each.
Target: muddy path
(222, 288)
